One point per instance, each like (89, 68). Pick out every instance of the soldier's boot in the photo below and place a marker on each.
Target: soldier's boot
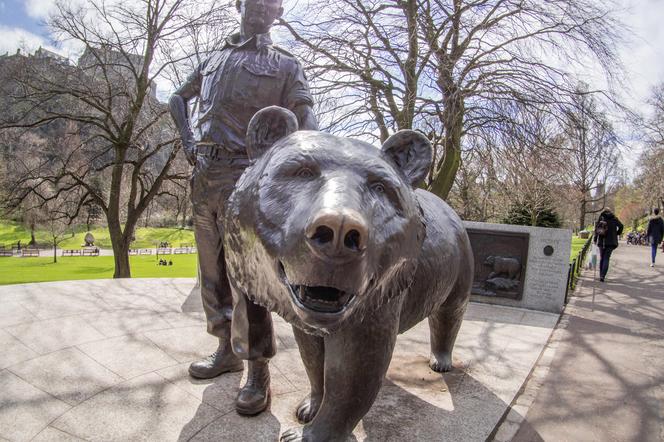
(223, 360)
(254, 397)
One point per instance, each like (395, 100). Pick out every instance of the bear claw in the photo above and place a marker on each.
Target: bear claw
(292, 435)
(441, 363)
(307, 409)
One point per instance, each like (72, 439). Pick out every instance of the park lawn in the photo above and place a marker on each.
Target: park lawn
(10, 233)
(42, 269)
(146, 237)
(577, 245)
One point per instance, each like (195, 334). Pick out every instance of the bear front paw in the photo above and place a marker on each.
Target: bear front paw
(293, 435)
(307, 409)
(441, 363)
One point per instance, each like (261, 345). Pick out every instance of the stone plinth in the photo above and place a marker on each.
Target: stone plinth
(543, 273)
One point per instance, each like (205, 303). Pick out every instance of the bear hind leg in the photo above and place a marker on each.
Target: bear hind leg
(312, 350)
(444, 325)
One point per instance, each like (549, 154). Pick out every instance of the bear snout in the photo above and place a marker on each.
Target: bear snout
(337, 234)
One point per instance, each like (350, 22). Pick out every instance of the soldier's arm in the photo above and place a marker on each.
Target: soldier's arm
(178, 107)
(305, 117)
(298, 99)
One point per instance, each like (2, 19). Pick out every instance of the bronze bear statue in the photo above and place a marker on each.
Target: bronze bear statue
(332, 234)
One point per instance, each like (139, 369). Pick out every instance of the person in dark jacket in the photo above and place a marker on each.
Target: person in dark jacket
(607, 230)
(655, 233)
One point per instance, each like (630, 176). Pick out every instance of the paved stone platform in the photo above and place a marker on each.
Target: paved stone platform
(107, 360)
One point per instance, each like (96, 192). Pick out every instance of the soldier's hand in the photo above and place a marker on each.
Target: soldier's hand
(190, 152)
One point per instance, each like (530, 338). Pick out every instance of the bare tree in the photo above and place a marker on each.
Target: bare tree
(380, 66)
(122, 135)
(650, 179)
(55, 219)
(592, 162)
(630, 205)
(476, 195)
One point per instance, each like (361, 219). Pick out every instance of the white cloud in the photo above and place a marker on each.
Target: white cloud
(644, 58)
(12, 38)
(39, 9)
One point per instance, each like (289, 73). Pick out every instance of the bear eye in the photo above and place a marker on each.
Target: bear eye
(378, 187)
(305, 172)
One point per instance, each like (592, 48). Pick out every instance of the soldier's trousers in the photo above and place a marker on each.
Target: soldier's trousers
(212, 183)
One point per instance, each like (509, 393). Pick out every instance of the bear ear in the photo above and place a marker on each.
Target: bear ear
(268, 126)
(412, 153)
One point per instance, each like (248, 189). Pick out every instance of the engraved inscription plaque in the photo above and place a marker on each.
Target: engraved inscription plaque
(500, 262)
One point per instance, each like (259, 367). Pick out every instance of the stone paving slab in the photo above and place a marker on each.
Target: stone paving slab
(107, 360)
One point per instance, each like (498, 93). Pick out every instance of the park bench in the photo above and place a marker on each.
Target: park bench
(90, 252)
(29, 253)
(185, 248)
(71, 252)
(134, 252)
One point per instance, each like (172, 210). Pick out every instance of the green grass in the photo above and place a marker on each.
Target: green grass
(23, 270)
(42, 269)
(146, 237)
(577, 245)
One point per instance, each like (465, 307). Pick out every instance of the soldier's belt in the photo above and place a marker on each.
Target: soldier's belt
(218, 151)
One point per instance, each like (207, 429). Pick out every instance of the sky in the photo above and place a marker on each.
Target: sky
(21, 26)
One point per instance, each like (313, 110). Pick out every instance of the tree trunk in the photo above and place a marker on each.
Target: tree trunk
(452, 119)
(55, 251)
(444, 180)
(121, 259)
(185, 211)
(120, 250)
(33, 241)
(582, 215)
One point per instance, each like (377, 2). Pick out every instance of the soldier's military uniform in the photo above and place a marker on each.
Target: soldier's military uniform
(232, 85)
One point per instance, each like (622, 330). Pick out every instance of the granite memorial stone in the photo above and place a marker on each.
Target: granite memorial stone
(520, 266)
(89, 240)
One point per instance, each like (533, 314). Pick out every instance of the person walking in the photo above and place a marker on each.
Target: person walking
(655, 233)
(245, 75)
(607, 230)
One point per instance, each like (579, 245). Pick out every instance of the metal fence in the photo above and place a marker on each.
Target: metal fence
(575, 267)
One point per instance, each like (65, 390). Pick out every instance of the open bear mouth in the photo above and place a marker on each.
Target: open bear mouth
(321, 299)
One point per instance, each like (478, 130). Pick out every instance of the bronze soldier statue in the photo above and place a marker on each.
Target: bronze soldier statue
(247, 74)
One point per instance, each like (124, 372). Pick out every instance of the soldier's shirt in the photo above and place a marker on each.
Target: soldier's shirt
(237, 81)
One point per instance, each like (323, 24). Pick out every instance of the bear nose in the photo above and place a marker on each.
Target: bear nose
(337, 232)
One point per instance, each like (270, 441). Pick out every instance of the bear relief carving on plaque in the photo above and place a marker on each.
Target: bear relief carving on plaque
(505, 272)
(500, 262)
(333, 235)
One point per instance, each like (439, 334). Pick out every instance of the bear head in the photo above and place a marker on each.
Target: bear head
(324, 229)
